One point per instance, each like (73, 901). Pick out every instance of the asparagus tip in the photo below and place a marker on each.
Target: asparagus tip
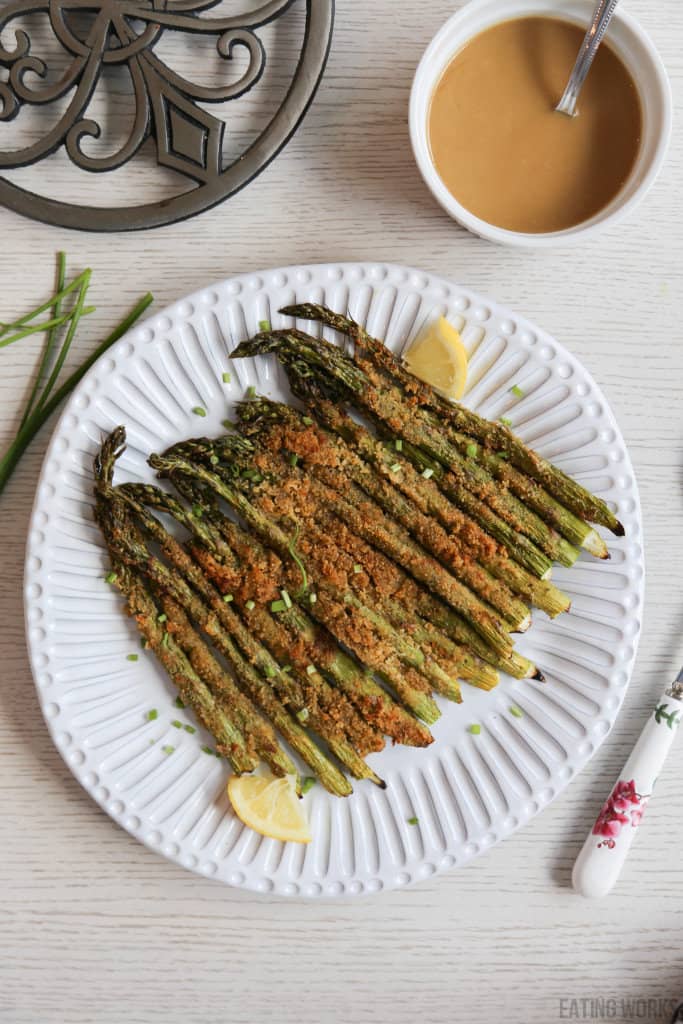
(111, 449)
(260, 344)
(538, 676)
(619, 530)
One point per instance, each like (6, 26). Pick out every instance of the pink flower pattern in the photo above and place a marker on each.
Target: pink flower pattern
(623, 807)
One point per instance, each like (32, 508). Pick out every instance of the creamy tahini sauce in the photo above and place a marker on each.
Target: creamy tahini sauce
(502, 150)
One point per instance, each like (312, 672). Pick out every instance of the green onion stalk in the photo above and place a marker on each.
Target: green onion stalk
(45, 396)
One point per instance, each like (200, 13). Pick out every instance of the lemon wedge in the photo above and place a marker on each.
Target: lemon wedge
(438, 357)
(270, 806)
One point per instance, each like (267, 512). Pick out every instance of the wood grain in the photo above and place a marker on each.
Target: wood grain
(98, 930)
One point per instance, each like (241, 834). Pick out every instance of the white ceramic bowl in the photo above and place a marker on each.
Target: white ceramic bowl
(628, 40)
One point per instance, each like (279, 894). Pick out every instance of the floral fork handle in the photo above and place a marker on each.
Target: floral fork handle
(598, 865)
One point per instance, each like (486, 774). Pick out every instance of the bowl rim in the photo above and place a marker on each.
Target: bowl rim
(418, 125)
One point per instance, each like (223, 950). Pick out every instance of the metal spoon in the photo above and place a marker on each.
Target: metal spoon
(602, 15)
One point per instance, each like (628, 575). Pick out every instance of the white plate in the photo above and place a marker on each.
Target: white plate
(467, 791)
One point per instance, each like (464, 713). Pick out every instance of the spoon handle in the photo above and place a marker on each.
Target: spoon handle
(598, 26)
(603, 855)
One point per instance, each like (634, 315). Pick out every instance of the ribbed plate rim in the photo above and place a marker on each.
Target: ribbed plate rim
(372, 273)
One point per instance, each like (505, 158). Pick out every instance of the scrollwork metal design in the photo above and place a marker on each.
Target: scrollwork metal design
(188, 139)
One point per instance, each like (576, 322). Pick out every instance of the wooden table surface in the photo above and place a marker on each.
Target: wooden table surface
(96, 928)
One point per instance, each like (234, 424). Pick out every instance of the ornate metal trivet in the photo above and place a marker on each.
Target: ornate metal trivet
(187, 138)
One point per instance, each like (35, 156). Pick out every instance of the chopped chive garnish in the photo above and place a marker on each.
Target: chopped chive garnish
(398, 444)
(503, 455)
(471, 450)
(111, 577)
(189, 728)
(207, 750)
(506, 421)
(264, 325)
(226, 377)
(307, 784)
(293, 459)
(199, 411)
(270, 671)
(132, 657)
(286, 598)
(143, 642)
(307, 421)
(152, 715)
(164, 639)
(302, 715)
(251, 391)
(278, 606)
(176, 724)
(310, 670)
(286, 668)
(253, 475)
(179, 702)
(413, 821)
(228, 424)
(214, 460)
(197, 511)
(168, 749)
(162, 617)
(517, 391)
(250, 605)
(517, 712)
(312, 598)
(357, 568)
(395, 468)
(228, 598)
(427, 473)
(474, 729)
